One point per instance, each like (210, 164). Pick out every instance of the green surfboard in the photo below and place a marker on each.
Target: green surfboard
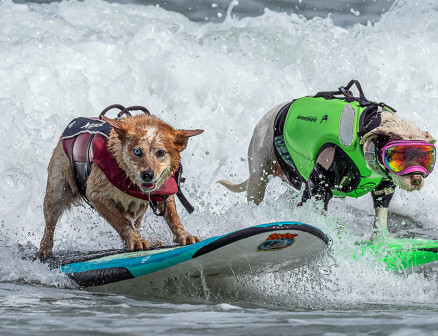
(403, 254)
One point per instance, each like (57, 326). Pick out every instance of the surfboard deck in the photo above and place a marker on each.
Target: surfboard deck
(405, 253)
(257, 249)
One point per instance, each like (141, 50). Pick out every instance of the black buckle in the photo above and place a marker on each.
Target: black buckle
(154, 206)
(345, 92)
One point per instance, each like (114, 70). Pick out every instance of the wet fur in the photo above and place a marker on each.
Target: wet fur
(123, 212)
(394, 128)
(263, 162)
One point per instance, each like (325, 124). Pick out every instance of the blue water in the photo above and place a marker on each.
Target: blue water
(342, 12)
(219, 66)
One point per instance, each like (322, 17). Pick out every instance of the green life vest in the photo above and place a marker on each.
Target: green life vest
(314, 122)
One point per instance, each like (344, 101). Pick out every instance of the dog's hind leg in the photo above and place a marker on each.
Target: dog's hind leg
(261, 160)
(261, 157)
(258, 179)
(60, 194)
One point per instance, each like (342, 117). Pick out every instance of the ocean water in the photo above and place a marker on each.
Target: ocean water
(218, 66)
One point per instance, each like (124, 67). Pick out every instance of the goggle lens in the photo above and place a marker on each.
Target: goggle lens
(398, 158)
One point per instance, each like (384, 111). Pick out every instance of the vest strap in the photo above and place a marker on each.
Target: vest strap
(154, 206)
(281, 152)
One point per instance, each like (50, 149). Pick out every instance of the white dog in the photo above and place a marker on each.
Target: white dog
(281, 146)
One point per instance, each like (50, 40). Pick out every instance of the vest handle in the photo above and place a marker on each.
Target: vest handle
(124, 110)
(344, 91)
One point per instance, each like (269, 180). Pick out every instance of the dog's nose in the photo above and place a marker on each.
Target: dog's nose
(147, 175)
(416, 179)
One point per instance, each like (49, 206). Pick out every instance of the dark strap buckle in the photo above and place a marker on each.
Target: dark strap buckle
(345, 92)
(182, 198)
(154, 206)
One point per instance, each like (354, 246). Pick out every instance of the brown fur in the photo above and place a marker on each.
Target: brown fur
(123, 212)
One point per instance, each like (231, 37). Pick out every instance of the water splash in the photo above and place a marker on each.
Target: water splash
(73, 58)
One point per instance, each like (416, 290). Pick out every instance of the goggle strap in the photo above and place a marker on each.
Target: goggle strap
(371, 157)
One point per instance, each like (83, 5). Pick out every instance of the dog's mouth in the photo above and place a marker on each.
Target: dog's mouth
(147, 186)
(151, 186)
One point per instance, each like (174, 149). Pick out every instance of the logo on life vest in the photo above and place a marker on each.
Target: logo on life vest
(311, 118)
(91, 125)
(277, 241)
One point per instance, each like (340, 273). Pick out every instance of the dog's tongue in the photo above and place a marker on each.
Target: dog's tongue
(148, 185)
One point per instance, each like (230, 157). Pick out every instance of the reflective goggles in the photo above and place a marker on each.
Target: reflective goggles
(404, 157)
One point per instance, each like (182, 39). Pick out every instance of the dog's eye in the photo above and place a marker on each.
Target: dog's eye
(161, 153)
(138, 152)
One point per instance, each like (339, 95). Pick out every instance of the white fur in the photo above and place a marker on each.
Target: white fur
(263, 162)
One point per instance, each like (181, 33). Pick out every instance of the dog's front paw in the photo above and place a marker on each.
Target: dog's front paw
(136, 243)
(186, 239)
(44, 254)
(380, 234)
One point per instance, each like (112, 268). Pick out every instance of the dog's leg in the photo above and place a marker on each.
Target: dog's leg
(120, 222)
(181, 236)
(318, 183)
(61, 192)
(380, 223)
(382, 197)
(137, 222)
(53, 208)
(261, 157)
(98, 189)
(260, 168)
(261, 160)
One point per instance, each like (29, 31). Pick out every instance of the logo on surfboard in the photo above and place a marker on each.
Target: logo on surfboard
(277, 241)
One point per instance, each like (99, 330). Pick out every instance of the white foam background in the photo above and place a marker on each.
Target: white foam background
(68, 59)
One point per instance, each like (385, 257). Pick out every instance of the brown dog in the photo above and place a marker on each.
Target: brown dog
(147, 151)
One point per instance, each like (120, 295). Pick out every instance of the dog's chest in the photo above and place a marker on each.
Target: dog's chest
(132, 210)
(101, 188)
(130, 206)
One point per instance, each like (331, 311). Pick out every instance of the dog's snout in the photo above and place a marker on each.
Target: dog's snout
(416, 179)
(147, 175)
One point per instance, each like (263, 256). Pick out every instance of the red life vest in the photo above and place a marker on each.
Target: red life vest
(85, 142)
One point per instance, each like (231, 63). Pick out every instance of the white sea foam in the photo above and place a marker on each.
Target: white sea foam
(74, 58)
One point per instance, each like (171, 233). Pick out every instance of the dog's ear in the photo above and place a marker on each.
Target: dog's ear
(381, 133)
(181, 138)
(118, 125)
(428, 137)
(374, 134)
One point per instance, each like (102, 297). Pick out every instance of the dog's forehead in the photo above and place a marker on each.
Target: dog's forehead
(404, 129)
(409, 133)
(148, 134)
(150, 137)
